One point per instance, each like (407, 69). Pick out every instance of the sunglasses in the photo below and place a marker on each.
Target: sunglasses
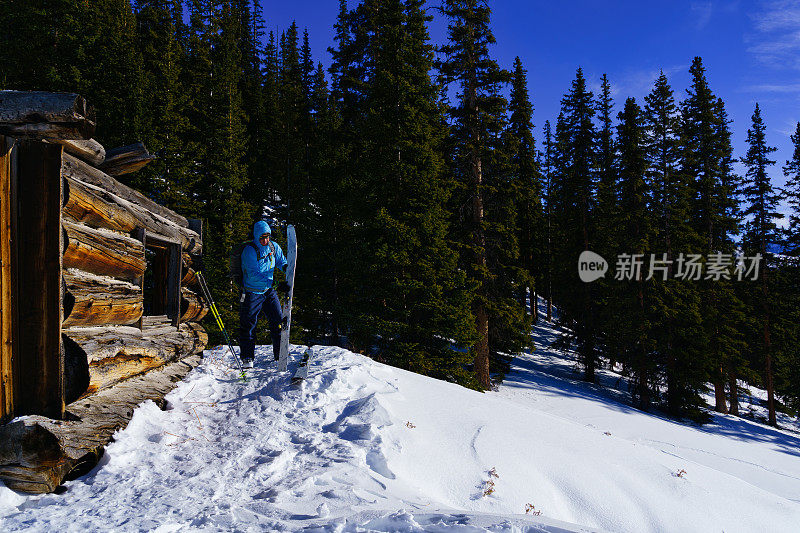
(264, 238)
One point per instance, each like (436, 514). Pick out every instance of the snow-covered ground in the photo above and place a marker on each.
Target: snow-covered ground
(365, 447)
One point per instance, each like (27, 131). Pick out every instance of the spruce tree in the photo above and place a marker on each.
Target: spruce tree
(706, 162)
(547, 171)
(165, 125)
(526, 179)
(467, 63)
(760, 234)
(630, 297)
(675, 302)
(574, 198)
(792, 194)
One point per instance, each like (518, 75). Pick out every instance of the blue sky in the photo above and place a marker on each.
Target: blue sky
(751, 50)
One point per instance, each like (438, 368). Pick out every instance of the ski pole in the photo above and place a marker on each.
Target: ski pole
(213, 306)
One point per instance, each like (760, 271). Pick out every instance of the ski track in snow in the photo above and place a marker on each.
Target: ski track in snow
(360, 446)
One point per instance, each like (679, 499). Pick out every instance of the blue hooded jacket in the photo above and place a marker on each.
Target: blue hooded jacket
(257, 274)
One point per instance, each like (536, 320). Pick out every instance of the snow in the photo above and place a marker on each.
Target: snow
(361, 446)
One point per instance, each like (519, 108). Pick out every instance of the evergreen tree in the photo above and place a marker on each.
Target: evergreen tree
(792, 193)
(706, 162)
(547, 170)
(760, 233)
(479, 111)
(526, 179)
(675, 302)
(606, 173)
(574, 197)
(164, 122)
(630, 304)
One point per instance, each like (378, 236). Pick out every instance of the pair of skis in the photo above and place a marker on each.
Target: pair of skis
(283, 357)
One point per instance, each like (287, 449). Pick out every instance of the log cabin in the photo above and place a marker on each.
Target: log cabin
(99, 303)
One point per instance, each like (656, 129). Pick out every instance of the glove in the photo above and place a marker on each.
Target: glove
(283, 286)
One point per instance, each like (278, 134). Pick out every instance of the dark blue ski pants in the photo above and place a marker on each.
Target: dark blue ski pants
(249, 311)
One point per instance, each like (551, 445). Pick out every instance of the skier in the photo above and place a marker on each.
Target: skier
(258, 266)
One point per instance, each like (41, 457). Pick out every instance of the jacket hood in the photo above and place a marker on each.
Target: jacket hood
(259, 228)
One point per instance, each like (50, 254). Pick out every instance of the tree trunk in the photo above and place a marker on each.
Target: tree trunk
(100, 301)
(733, 393)
(103, 253)
(45, 115)
(126, 159)
(720, 403)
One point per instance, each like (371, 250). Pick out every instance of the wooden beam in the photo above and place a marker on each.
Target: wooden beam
(45, 115)
(37, 454)
(6, 285)
(103, 252)
(40, 389)
(126, 159)
(91, 300)
(115, 354)
(88, 150)
(174, 276)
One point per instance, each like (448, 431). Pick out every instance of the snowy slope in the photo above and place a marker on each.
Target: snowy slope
(366, 447)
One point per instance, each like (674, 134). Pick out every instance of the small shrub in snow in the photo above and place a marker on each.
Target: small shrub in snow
(531, 510)
(680, 473)
(488, 485)
(409, 425)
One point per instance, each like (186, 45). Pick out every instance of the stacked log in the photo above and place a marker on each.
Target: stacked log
(115, 354)
(44, 115)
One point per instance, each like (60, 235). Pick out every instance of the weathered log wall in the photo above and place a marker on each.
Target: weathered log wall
(103, 252)
(95, 301)
(156, 219)
(83, 255)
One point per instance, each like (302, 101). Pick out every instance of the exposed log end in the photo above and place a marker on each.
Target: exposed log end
(37, 454)
(88, 150)
(46, 115)
(126, 159)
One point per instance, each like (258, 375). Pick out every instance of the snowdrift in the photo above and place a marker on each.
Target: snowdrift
(361, 446)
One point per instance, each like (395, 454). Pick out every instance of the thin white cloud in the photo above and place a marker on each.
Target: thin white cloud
(773, 88)
(776, 41)
(701, 13)
(639, 83)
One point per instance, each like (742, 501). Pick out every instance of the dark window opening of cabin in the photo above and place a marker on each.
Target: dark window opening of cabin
(156, 277)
